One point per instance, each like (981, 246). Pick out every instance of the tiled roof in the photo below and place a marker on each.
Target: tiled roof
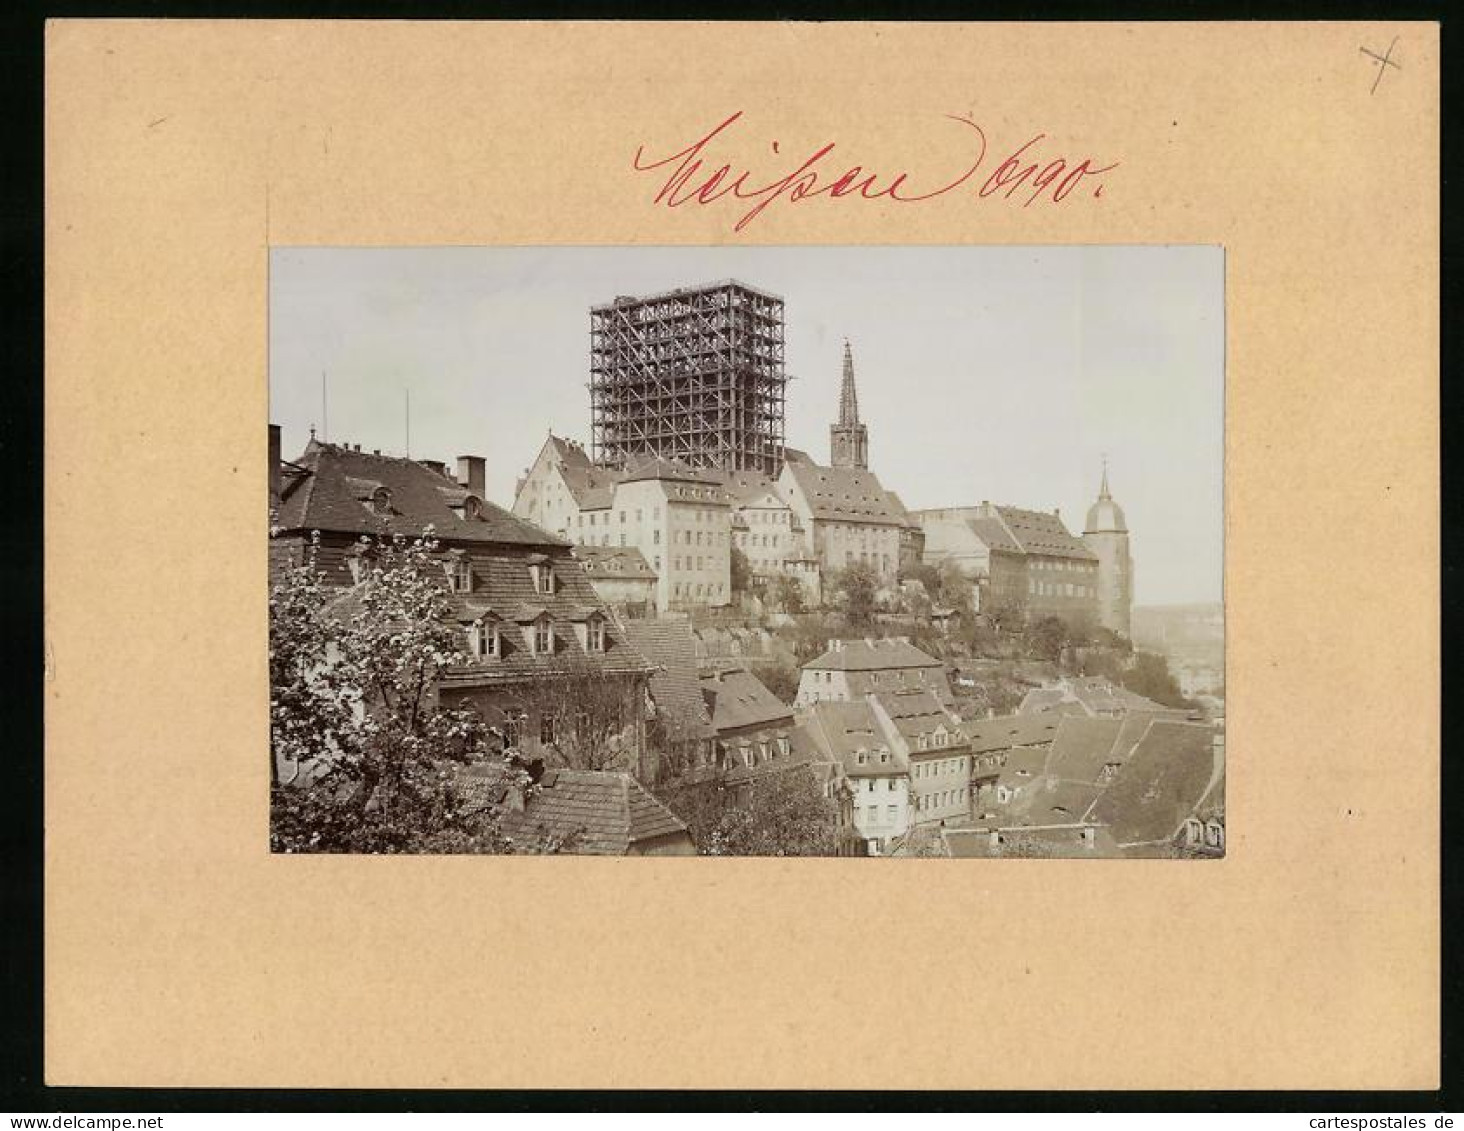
(746, 487)
(332, 495)
(1049, 801)
(873, 655)
(1006, 731)
(843, 494)
(1038, 532)
(670, 646)
(503, 590)
(842, 730)
(593, 488)
(569, 453)
(1162, 782)
(1082, 748)
(611, 562)
(737, 700)
(1062, 839)
(994, 535)
(602, 813)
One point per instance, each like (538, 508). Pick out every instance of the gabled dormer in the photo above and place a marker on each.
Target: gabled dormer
(538, 630)
(589, 629)
(485, 637)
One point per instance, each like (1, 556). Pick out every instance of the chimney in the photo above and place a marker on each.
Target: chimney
(276, 481)
(472, 474)
(1088, 836)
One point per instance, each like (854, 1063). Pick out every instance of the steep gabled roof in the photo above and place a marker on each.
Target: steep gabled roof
(737, 700)
(601, 813)
(670, 646)
(1038, 532)
(1007, 731)
(1082, 747)
(842, 730)
(614, 562)
(843, 494)
(873, 655)
(337, 484)
(1163, 781)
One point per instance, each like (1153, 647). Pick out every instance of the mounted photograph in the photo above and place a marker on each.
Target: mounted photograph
(747, 551)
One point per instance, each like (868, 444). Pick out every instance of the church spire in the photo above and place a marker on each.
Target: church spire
(1103, 487)
(848, 398)
(848, 439)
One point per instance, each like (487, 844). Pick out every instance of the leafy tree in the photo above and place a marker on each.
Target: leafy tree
(1149, 676)
(774, 814)
(588, 710)
(741, 571)
(362, 757)
(1009, 616)
(854, 588)
(782, 680)
(787, 593)
(1047, 638)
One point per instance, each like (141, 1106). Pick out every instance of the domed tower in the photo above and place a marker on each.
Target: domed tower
(1106, 534)
(849, 439)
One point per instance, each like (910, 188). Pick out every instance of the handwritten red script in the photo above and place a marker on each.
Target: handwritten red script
(696, 178)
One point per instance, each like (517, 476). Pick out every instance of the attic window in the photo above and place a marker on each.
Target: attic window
(460, 574)
(487, 643)
(543, 636)
(860, 758)
(595, 635)
(381, 501)
(472, 508)
(543, 575)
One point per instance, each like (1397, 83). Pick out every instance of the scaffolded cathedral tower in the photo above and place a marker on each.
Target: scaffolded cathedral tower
(694, 374)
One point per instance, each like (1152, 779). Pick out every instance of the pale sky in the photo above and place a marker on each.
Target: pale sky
(999, 373)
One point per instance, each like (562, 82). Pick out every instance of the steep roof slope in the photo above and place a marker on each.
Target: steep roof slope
(1160, 785)
(334, 488)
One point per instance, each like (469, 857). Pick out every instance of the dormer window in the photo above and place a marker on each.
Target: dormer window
(595, 634)
(460, 573)
(472, 508)
(381, 501)
(783, 747)
(543, 636)
(543, 576)
(487, 643)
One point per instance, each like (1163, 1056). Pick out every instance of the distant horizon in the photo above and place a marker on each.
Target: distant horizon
(1001, 373)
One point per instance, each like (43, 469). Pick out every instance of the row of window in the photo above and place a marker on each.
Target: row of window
(1058, 589)
(699, 589)
(943, 799)
(1064, 564)
(485, 638)
(892, 785)
(767, 540)
(937, 769)
(460, 577)
(880, 561)
(516, 719)
(871, 814)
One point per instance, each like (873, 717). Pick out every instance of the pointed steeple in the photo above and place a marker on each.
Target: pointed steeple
(1103, 487)
(848, 398)
(848, 439)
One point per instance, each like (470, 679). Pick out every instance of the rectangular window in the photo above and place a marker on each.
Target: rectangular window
(892, 813)
(596, 634)
(546, 730)
(543, 636)
(513, 727)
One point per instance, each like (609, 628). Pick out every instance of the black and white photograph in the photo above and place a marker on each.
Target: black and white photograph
(747, 551)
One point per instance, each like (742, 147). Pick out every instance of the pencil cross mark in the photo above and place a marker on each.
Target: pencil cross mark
(1384, 61)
